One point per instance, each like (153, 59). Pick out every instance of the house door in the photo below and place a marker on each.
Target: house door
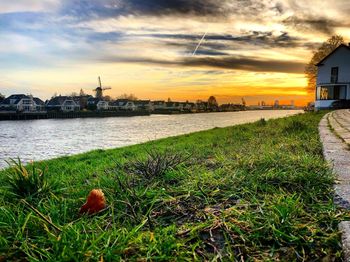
(336, 94)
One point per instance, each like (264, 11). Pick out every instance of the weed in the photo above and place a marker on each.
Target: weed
(27, 182)
(262, 122)
(156, 163)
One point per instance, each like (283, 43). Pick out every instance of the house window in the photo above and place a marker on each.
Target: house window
(331, 92)
(324, 94)
(334, 75)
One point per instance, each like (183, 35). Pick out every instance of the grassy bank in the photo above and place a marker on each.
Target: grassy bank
(256, 191)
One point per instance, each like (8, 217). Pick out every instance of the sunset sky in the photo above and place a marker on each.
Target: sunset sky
(256, 49)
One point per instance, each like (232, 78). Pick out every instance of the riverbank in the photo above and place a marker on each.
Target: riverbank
(7, 116)
(256, 191)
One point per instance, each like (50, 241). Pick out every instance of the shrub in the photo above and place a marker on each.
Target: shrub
(24, 182)
(262, 122)
(156, 163)
(295, 126)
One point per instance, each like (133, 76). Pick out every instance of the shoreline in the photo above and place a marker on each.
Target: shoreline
(15, 116)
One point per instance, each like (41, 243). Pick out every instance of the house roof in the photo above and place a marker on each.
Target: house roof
(119, 102)
(16, 98)
(58, 100)
(93, 100)
(38, 101)
(142, 102)
(335, 50)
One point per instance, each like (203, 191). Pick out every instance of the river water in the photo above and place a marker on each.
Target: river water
(49, 138)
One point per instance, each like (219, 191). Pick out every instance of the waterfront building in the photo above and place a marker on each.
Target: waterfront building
(144, 105)
(173, 106)
(22, 103)
(122, 105)
(63, 104)
(188, 106)
(159, 105)
(102, 105)
(333, 79)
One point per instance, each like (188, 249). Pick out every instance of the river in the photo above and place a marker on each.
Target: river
(45, 139)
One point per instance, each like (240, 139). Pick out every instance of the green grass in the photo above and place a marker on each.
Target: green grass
(258, 191)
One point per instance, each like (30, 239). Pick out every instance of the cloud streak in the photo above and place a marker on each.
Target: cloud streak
(233, 63)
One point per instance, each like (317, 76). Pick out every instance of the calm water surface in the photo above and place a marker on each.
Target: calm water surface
(44, 139)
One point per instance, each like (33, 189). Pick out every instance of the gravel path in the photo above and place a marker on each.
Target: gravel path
(334, 132)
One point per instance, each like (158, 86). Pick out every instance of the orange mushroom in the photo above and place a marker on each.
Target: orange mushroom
(95, 202)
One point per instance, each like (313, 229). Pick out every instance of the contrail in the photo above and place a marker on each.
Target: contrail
(196, 49)
(199, 44)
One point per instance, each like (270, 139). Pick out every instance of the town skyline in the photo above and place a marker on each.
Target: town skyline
(185, 50)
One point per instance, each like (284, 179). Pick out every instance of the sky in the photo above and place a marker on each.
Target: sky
(256, 49)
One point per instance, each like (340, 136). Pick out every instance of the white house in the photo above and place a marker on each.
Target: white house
(102, 105)
(22, 103)
(63, 103)
(333, 79)
(144, 105)
(123, 105)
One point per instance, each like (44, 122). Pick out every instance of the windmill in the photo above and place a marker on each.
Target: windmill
(99, 90)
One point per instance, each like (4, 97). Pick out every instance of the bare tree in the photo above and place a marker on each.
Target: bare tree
(325, 49)
(128, 96)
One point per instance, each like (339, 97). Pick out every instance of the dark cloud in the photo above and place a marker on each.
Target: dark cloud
(224, 42)
(185, 7)
(208, 9)
(309, 23)
(85, 9)
(224, 62)
(247, 64)
(209, 52)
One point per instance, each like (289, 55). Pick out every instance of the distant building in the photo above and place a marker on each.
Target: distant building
(159, 105)
(201, 106)
(82, 100)
(333, 79)
(231, 107)
(22, 103)
(188, 106)
(122, 105)
(62, 103)
(173, 106)
(102, 105)
(144, 105)
(92, 102)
